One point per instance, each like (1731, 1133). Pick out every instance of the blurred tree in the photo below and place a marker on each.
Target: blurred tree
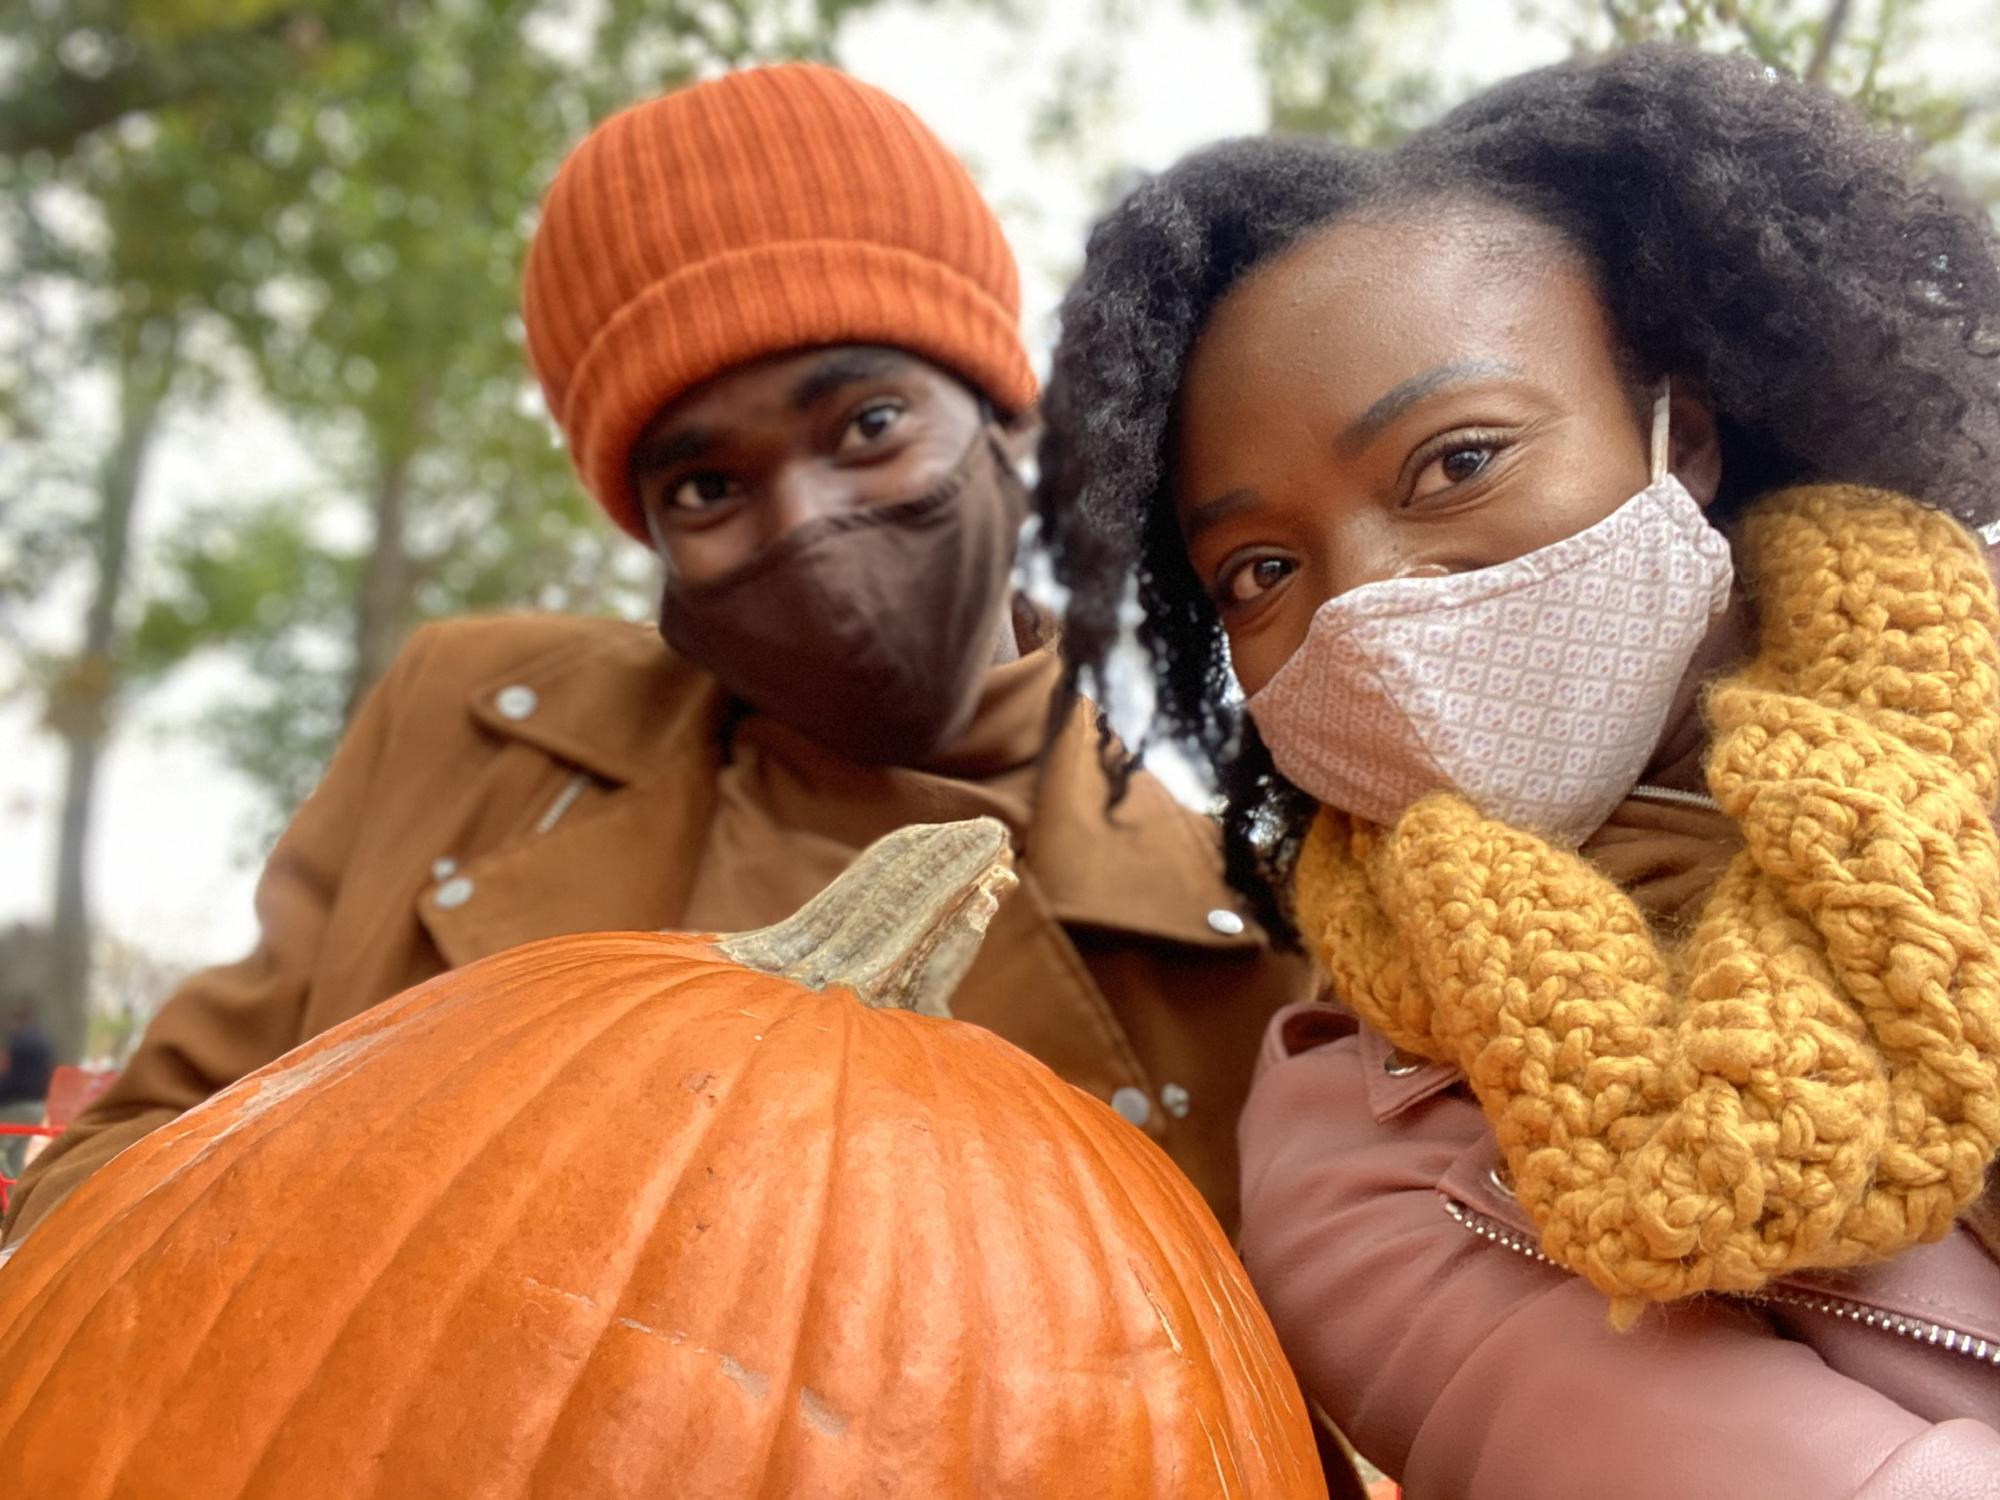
(1365, 71)
(87, 66)
(27, 967)
(341, 191)
(1357, 70)
(1852, 46)
(129, 983)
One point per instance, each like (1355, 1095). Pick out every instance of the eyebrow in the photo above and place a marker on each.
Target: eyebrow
(840, 368)
(1410, 392)
(1214, 512)
(661, 451)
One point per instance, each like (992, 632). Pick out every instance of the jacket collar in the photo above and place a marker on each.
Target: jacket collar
(1150, 866)
(620, 706)
(631, 712)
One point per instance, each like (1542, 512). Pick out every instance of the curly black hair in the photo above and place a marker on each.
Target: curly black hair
(1841, 309)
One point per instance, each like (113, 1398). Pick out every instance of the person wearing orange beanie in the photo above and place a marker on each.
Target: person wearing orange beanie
(779, 329)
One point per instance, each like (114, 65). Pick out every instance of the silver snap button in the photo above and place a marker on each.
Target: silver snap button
(1497, 1175)
(1133, 1105)
(455, 892)
(444, 869)
(1175, 1101)
(516, 701)
(1401, 1064)
(1225, 922)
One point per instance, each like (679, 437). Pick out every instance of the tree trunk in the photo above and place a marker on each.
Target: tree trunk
(384, 600)
(80, 702)
(382, 603)
(1830, 30)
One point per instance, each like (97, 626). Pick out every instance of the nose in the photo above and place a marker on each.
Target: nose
(1367, 552)
(802, 492)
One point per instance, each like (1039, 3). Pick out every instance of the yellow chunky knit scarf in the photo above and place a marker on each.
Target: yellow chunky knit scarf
(1812, 1079)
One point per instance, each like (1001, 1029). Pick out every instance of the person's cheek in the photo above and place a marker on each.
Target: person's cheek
(698, 556)
(1256, 655)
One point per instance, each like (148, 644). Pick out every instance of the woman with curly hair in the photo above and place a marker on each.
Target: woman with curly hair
(1555, 535)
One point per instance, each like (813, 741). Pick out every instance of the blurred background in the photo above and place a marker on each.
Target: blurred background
(263, 400)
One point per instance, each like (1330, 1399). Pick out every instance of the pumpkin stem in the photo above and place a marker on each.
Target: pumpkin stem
(900, 926)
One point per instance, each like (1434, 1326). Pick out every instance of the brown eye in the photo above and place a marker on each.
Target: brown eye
(1463, 463)
(870, 425)
(1455, 465)
(701, 491)
(1256, 578)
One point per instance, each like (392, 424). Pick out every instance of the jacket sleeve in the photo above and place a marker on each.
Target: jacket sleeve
(1475, 1372)
(225, 1022)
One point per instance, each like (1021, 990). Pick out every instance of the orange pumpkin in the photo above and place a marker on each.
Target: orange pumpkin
(634, 1215)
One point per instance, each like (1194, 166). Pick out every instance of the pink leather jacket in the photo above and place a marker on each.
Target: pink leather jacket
(1405, 1283)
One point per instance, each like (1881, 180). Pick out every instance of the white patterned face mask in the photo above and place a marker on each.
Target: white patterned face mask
(1537, 688)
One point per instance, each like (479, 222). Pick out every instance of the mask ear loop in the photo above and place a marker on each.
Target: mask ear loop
(1659, 454)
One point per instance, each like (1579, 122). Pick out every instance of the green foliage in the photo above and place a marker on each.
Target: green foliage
(1358, 69)
(254, 579)
(238, 572)
(338, 192)
(1332, 67)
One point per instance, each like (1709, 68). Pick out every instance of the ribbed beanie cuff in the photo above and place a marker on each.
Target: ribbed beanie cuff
(773, 210)
(712, 317)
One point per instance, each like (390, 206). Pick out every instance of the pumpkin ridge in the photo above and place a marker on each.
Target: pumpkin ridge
(1106, 1182)
(1198, 1225)
(951, 1155)
(1273, 1378)
(581, 1130)
(810, 1308)
(72, 1267)
(1078, 1108)
(117, 1222)
(739, 1100)
(779, 1403)
(641, 1080)
(332, 1185)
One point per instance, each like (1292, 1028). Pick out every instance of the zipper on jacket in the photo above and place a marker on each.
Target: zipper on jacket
(565, 799)
(1920, 1329)
(1498, 1233)
(1675, 796)
(1938, 1334)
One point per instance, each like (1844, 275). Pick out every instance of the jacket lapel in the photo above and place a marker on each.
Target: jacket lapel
(623, 864)
(1148, 867)
(643, 728)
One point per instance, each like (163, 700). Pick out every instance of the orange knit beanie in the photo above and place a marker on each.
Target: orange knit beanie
(773, 209)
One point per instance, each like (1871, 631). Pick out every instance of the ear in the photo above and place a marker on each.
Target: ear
(1694, 451)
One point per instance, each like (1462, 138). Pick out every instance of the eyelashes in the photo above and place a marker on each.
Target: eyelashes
(1451, 468)
(1229, 591)
(1438, 454)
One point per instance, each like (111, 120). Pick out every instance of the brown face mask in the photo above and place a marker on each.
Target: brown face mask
(869, 630)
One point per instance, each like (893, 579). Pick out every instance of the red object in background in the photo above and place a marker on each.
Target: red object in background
(70, 1090)
(7, 1183)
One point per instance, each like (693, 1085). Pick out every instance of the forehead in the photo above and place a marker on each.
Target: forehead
(1388, 295)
